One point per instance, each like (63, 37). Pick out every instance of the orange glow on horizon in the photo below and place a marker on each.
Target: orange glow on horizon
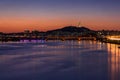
(43, 24)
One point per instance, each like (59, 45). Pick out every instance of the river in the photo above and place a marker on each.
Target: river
(59, 60)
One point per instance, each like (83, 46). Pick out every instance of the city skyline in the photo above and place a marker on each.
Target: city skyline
(43, 15)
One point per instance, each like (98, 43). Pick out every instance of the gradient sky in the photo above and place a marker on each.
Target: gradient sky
(19, 15)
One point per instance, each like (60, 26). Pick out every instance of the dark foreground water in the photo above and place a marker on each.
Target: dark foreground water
(56, 60)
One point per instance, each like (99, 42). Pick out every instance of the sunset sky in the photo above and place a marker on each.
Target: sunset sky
(43, 15)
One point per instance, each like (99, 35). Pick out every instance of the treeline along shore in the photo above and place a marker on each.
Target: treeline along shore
(66, 33)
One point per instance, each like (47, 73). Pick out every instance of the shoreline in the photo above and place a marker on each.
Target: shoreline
(30, 40)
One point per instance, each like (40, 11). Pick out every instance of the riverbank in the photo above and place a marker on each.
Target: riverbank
(62, 39)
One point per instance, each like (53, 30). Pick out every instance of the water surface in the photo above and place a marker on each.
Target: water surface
(57, 60)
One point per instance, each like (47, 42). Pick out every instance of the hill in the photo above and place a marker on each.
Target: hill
(71, 29)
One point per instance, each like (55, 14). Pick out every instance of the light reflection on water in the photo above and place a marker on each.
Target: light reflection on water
(114, 62)
(57, 60)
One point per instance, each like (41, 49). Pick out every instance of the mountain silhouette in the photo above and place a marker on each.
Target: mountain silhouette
(72, 29)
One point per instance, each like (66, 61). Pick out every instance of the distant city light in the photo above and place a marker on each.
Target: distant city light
(114, 38)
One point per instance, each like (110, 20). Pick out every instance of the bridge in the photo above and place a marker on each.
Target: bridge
(62, 38)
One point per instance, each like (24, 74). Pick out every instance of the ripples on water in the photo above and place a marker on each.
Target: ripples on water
(57, 60)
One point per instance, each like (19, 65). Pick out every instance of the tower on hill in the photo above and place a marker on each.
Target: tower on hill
(79, 24)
